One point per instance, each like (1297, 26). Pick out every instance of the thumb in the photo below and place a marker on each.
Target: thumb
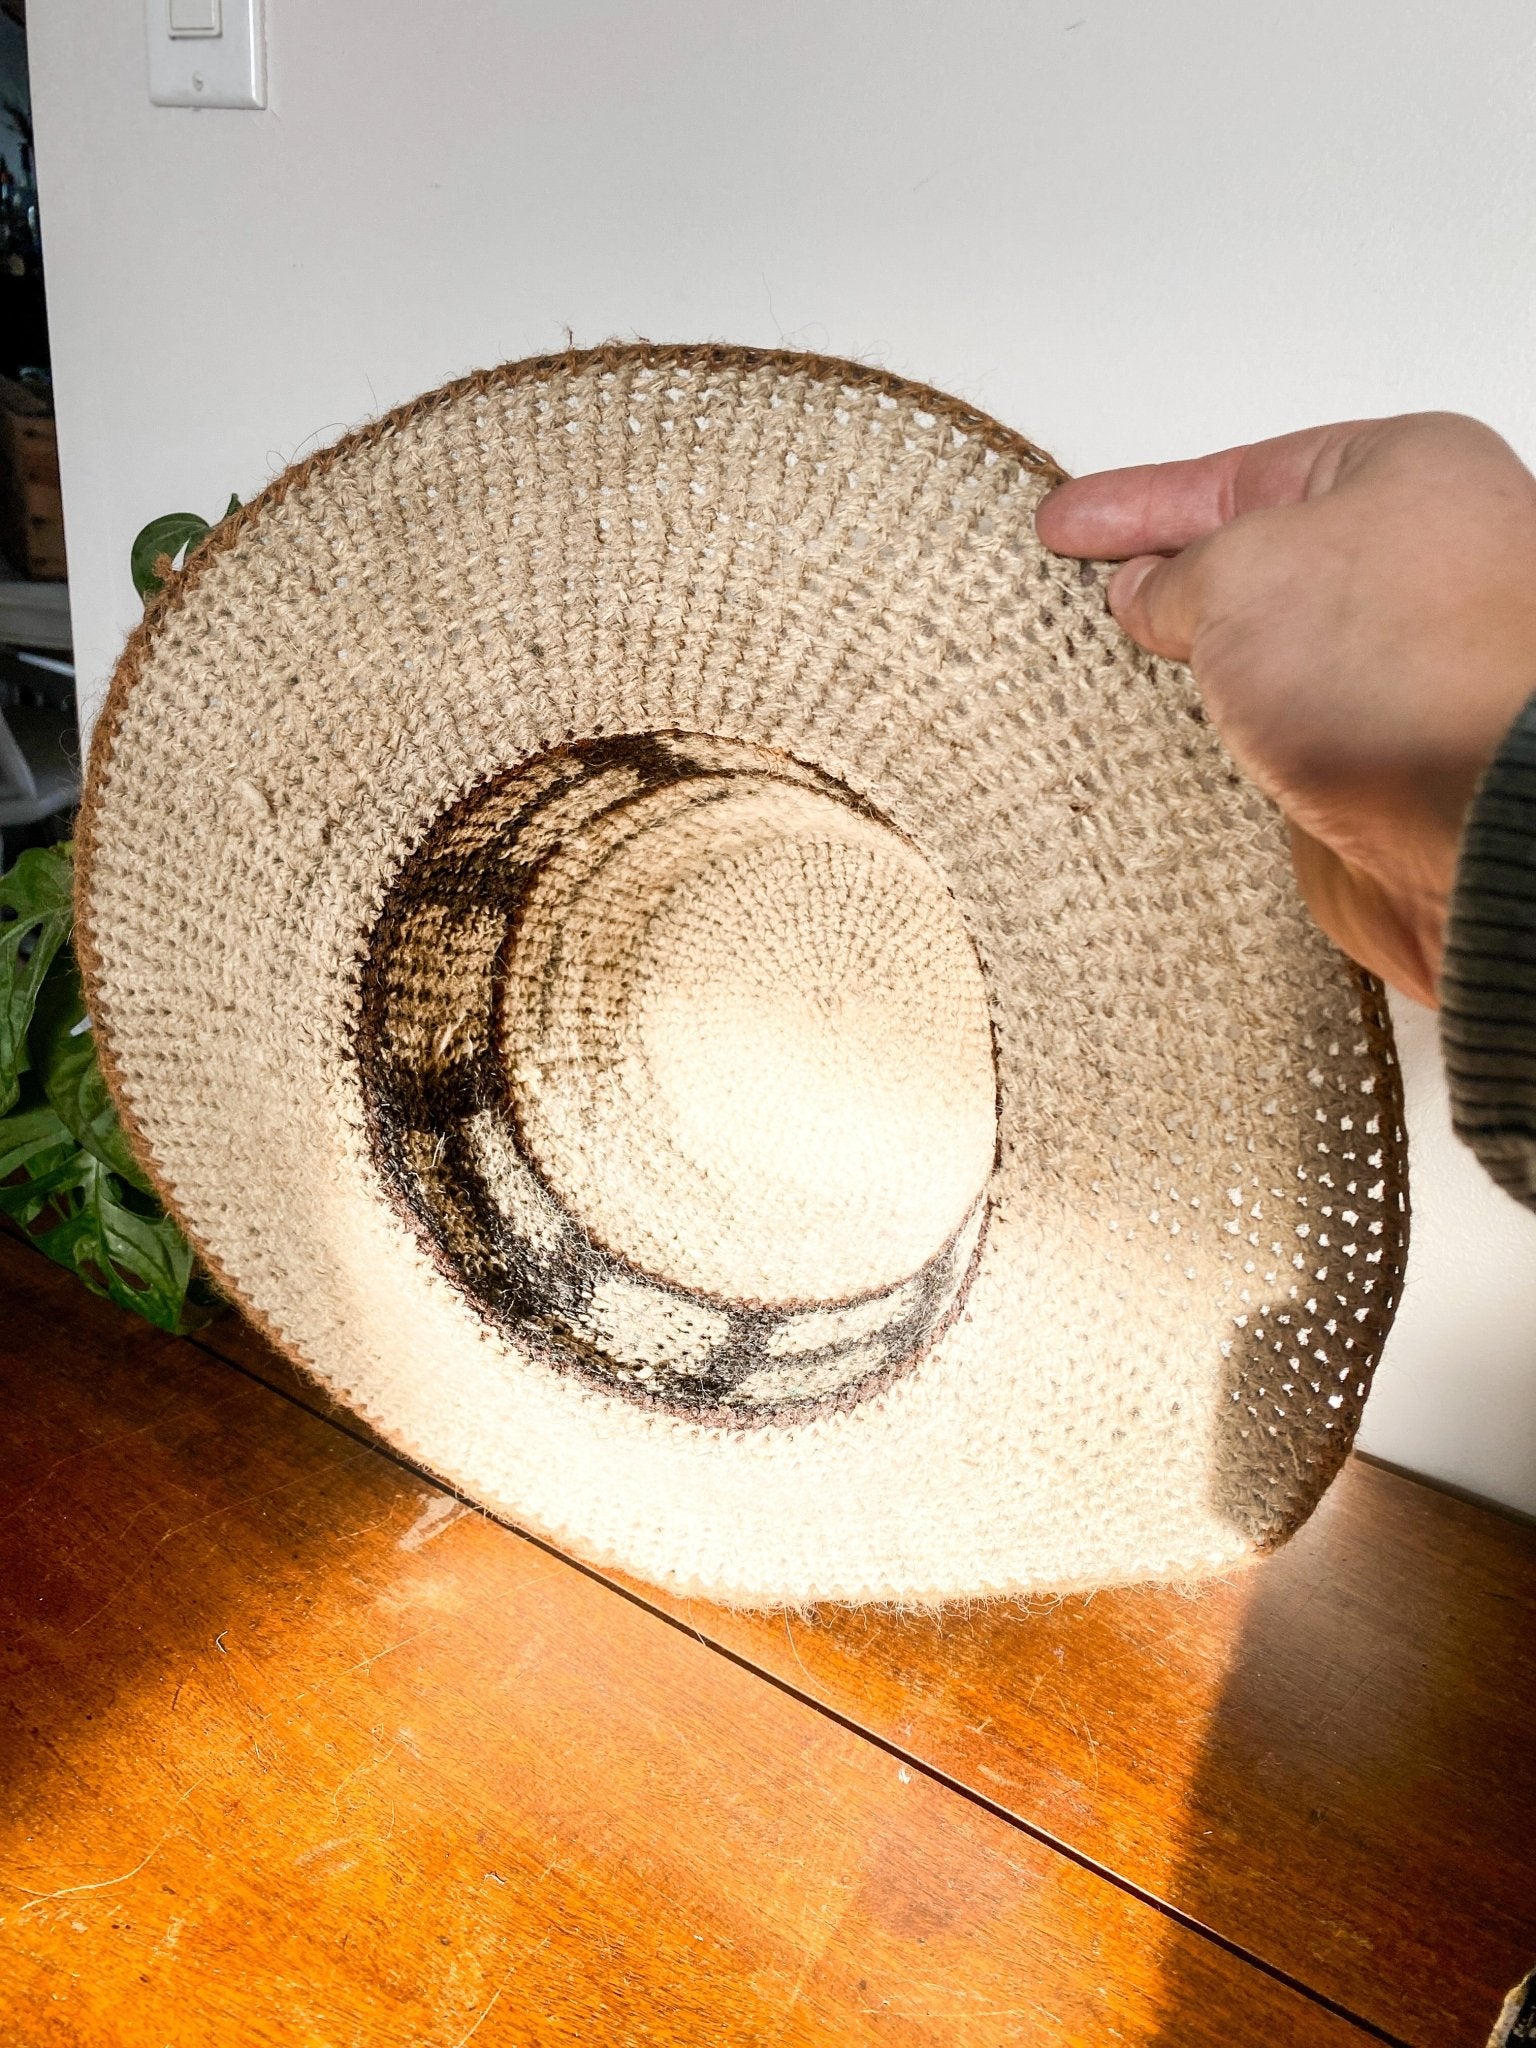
(1154, 598)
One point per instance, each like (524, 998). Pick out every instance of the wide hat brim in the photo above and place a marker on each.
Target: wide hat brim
(1195, 1222)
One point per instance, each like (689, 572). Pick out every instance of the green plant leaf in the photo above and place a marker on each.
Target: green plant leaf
(63, 1049)
(66, 1172)
(172, 534)
(33, 1141)
(26, 1134)
(98, 1228)
(37, 895)
(50, 1178)
(142, 1263)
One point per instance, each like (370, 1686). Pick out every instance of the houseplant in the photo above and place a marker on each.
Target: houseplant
(68, 1176)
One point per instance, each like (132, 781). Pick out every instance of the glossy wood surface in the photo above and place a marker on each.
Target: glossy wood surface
(297, 1751)
(1329, 1760)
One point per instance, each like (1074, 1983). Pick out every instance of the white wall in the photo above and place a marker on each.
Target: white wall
(1131, 228)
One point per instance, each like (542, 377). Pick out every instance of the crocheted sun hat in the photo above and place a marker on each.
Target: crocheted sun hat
(676, 960)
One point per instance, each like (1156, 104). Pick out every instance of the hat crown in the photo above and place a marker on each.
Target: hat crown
(680, 1053)
(747, 1041)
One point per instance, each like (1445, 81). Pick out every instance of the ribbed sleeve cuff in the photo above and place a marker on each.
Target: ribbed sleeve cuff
(1488, 982)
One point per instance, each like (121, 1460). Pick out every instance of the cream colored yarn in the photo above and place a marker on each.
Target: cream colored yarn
(679, 962)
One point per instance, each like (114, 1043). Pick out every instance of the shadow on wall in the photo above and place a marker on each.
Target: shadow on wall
(1326, 1256)
(1468, 1310)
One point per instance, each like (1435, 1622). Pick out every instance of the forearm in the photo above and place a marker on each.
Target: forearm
(1488, 984)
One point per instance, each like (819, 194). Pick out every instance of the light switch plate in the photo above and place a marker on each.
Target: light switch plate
(226, 70)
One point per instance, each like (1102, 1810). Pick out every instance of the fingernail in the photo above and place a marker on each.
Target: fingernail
(1127, 580)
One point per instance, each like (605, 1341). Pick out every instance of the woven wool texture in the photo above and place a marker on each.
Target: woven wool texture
(678, 961)
(682, 1065)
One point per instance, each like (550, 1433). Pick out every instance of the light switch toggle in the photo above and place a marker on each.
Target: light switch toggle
(195, 17)
(205, 53)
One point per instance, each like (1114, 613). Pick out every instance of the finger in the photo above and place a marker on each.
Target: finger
(1159, 507)
(1153, 508)
(1366, 920)
(1157, 601)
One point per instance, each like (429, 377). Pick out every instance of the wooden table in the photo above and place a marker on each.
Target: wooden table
(296, 1749)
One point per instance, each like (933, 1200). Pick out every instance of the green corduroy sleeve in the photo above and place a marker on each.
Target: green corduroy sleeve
(1488, 983)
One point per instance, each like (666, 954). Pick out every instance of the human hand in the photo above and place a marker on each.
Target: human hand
(1357, 604)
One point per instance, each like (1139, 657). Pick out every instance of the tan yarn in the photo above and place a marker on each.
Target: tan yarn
(758, 1062)
(681, 964)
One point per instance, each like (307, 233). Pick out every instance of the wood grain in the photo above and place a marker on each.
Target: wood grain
(296, 1751)
(1328, 1760)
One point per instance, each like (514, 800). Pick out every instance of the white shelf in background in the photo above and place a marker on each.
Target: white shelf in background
(34, 614)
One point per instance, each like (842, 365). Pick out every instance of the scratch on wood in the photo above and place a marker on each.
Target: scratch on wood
(327, 1686)
(1093, 1751)
(806, 1962)
(479, 2021)
(101, 1884)
(214, 1514)
(476, 2027)
(86, 1451)
(995, 2012)
(171, 1936)
(371, 1763)
(320, 1849)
